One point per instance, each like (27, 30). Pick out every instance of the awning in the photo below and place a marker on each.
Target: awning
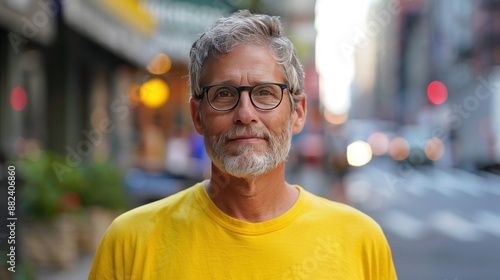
(122, 26)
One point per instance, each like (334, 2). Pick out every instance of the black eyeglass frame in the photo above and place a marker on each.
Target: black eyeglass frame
(205, 89)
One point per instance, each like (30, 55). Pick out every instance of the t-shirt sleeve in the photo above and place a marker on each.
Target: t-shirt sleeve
(112, 259)
(378, 257)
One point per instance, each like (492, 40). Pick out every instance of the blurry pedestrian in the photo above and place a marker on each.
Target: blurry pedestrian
(246, 221)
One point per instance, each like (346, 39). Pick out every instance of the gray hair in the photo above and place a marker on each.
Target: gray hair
(241, 28)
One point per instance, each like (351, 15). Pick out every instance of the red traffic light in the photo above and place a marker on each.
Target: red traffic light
(437, 92)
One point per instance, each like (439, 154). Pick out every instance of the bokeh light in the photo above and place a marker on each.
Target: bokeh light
(160, 64)
(154, 93)
(359, 153)
(437, 92)
(399, 148)
(434, 149)
(379, 142)
(333, 118)
(18, 98)
(32, 150)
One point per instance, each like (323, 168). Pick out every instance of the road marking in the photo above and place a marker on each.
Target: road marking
(455, 227)
(403, 225)
(488, 222)
(445, 222)
(447, 182)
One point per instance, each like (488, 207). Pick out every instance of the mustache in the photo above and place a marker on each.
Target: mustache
(245, 131)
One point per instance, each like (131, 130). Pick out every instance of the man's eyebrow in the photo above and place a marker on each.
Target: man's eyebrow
(230, 83)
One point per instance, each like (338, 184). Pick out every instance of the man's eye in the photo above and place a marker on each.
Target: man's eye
(224, 93)
(264, 92)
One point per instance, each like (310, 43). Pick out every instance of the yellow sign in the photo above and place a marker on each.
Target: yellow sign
(131, 12)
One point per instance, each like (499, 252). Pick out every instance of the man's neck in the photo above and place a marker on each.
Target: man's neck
(253, 199)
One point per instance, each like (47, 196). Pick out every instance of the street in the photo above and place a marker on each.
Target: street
(441, 223)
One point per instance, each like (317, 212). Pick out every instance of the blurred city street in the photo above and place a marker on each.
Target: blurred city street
(442, 223)
(79, 271)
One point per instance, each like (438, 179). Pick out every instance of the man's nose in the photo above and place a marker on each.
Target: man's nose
(245, 112)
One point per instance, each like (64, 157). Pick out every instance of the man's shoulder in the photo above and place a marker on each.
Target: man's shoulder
(159, 209)
(340, 213)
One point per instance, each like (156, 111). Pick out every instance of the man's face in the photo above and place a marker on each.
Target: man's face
(246, 141)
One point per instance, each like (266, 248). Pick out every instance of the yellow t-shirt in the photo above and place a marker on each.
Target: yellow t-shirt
(185, 236)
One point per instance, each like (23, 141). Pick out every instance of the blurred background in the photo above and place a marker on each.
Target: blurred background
(403, 121)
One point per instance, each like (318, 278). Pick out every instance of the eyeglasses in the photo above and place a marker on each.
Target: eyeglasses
(266, 96)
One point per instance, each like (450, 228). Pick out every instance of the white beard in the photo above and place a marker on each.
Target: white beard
(248, 160)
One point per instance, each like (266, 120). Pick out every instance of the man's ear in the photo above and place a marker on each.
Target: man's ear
(196, 114)
(299, 114)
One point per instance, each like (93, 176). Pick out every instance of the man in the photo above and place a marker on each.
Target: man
(246, 222)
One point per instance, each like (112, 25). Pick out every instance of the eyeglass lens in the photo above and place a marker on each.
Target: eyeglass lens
(264, 96)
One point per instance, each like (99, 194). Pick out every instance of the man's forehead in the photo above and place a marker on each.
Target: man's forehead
(250, 63)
